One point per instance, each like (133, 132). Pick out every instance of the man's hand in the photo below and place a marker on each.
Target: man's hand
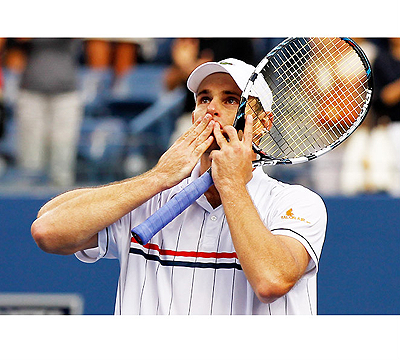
(179, 160)
(231, 164)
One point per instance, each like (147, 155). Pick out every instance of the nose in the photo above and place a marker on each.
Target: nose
(213, 108)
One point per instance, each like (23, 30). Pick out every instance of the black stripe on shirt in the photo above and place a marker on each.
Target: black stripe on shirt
(188, 264)
(108, 239)
(302, 237)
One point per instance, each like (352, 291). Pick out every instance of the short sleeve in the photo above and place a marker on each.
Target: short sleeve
(103, 250)
(301, 214)
(115, 239)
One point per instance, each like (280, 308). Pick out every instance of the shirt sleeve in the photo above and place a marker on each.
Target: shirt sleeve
(301, 214)
(110, 240)
(103, 250)
(115, 239)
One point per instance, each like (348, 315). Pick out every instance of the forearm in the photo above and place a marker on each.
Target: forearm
(269, 264)
(70, 222)
(59, 199)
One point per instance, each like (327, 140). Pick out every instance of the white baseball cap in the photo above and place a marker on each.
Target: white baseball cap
(238, 70)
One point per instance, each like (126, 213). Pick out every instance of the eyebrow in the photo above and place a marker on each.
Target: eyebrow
(202, 92)
(225, 92)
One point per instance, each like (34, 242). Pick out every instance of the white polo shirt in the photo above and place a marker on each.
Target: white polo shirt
(191, 267)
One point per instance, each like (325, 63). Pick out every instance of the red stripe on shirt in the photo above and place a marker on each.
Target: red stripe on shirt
(196, 254)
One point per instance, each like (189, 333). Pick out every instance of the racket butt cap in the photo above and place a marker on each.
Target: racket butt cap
(137, 238)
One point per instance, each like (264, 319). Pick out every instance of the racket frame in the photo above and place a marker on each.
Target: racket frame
(265, 159)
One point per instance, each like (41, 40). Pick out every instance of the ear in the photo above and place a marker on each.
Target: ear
(268, 120)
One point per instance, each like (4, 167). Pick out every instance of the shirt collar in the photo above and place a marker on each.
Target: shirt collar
(258, 174)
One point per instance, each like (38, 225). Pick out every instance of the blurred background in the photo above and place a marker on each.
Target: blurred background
(87, 111)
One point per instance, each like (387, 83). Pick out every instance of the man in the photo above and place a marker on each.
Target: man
(249, 245)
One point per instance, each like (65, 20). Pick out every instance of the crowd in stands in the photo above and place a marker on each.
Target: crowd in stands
(80, 111)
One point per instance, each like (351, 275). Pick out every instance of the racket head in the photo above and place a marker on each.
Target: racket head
(321, 91)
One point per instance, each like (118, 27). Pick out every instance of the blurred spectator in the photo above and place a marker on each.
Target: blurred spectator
(49, 110)
(2, 109)
(102, 53)
(117, 54)
(188, 53)
(387, 105)
(14, 62)
(387, 81)
(2, 117)
(14, 57)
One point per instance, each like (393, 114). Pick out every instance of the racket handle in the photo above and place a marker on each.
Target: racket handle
(163, 216)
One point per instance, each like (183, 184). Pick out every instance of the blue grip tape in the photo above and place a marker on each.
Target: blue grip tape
(163, 216)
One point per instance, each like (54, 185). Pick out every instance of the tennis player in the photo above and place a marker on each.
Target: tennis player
(249, 245)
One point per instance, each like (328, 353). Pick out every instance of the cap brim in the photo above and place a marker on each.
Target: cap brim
(201, 72)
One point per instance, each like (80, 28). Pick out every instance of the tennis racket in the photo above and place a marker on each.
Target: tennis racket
(321, 92)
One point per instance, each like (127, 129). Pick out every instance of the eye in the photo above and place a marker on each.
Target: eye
(203, 99)
(232, 101)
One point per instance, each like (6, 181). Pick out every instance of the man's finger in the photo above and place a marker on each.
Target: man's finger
(218, 134)
(196, 129)
(248, 130)
(232, 133)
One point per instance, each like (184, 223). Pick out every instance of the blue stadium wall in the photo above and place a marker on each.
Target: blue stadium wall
(359, 267)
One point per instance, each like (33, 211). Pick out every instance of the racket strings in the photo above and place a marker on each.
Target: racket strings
(343, 92)
(294, 79)
(290, 77)
(319, 89)
(321, 65)
(352, 65)
(281, 69)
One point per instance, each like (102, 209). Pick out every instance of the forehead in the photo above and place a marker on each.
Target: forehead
(219, 82)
